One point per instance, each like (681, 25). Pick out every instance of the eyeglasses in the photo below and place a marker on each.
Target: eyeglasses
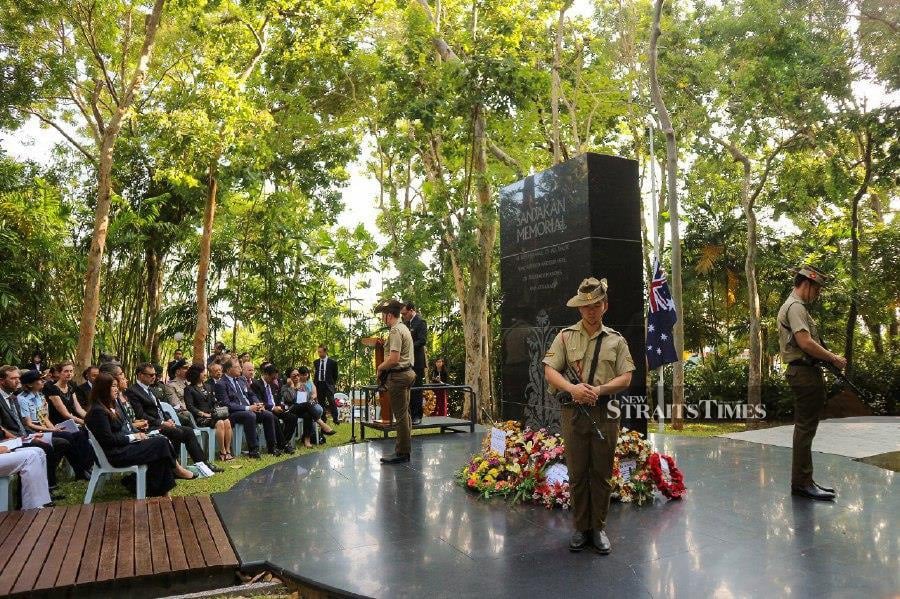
(149, 373)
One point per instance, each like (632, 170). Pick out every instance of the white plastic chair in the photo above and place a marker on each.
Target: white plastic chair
(140, 472)
(210, 437)
(4, 492)
(171, 413)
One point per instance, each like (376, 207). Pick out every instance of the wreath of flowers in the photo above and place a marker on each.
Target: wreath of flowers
(672, 486)
(429, 402)
(519, 474)
(638, 488)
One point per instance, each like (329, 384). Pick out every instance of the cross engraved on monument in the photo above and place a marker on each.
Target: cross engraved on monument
(580, 218)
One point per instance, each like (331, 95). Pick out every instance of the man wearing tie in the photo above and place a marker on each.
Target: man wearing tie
(245, 409)
(264, 389)
(326, 376)
(146, 406)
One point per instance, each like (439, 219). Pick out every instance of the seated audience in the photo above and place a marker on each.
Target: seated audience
(298, 394)
(30, 464)
(83, 391)
(147, 407)
(33, 410)
(178, 382)
(264, 389)
(215, 373)
(125, 446)
(12, 426)
(201, 402)
(245, 409)
(166, 393)
(60, 396)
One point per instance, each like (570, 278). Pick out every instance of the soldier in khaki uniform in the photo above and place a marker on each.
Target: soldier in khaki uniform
(588, 457)
(400, 376)
(800, 344)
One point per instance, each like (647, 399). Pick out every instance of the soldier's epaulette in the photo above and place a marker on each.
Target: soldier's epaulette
(612, 331)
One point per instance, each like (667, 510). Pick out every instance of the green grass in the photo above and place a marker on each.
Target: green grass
(235, 470)
(701, 429)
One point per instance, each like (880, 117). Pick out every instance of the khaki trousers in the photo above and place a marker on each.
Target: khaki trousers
(808, 386)
(590, 461)
(398, 384)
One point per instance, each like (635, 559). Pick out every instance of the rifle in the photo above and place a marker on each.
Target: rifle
(842, 378)
(565, 398)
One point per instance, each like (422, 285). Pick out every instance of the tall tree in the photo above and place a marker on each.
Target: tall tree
(672, 197)
(104, 69)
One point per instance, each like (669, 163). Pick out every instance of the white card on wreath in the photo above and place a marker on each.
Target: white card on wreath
(498, 440)
(557, 473)
(626, 467)
(664, 466)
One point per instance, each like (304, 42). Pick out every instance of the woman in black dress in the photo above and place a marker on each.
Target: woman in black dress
(61, 401)
(123, 445)
(201, 402)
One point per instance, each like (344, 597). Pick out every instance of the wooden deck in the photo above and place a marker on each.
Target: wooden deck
(87, 550)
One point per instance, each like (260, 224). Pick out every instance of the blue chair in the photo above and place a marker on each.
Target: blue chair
(171, 413)
(237, 439)
(209, 433)
(5, 499)
(104, 467)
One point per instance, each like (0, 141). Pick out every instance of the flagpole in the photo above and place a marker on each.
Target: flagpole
(660, 383)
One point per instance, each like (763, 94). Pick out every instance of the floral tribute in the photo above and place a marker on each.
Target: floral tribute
(429, 402)
(630, 477)
(638, 471)
(666, 475)
(521, 473)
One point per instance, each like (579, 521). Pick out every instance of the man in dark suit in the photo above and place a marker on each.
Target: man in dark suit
(325, 379)
(83, 391)
(245, 409)
(419, 331)
(264, 389)
(146, 406)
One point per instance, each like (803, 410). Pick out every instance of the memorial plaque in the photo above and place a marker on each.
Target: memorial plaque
(578, 219)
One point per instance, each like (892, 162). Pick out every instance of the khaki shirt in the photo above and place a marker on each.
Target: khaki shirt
(400, 340)
(573, 346)
(794, 315)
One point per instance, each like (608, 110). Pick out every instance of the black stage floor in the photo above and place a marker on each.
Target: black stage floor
(340, 521)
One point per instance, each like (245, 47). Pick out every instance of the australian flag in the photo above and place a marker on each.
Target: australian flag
(661, 320)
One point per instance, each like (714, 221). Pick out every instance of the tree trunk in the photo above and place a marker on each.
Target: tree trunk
(209, 213)
(154, 268)
(475, 323)
(91, 305)
(754, 380)
(672, 170)
(555, 85)
(866, 148)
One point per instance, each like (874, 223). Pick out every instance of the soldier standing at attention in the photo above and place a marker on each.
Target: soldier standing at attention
(800, 344)
(599, 356)
(398, 367)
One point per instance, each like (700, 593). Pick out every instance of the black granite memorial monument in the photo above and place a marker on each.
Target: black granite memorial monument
(578, 219)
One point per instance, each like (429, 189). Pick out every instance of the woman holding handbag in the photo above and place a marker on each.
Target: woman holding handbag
(201, 402)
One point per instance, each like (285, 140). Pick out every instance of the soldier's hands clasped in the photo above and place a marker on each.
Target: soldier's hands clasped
(584, 394)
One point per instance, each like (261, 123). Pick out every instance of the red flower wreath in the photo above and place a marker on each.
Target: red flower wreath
(674, 488)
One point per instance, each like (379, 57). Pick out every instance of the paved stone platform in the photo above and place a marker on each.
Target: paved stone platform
(341, 522)
(857, 437)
